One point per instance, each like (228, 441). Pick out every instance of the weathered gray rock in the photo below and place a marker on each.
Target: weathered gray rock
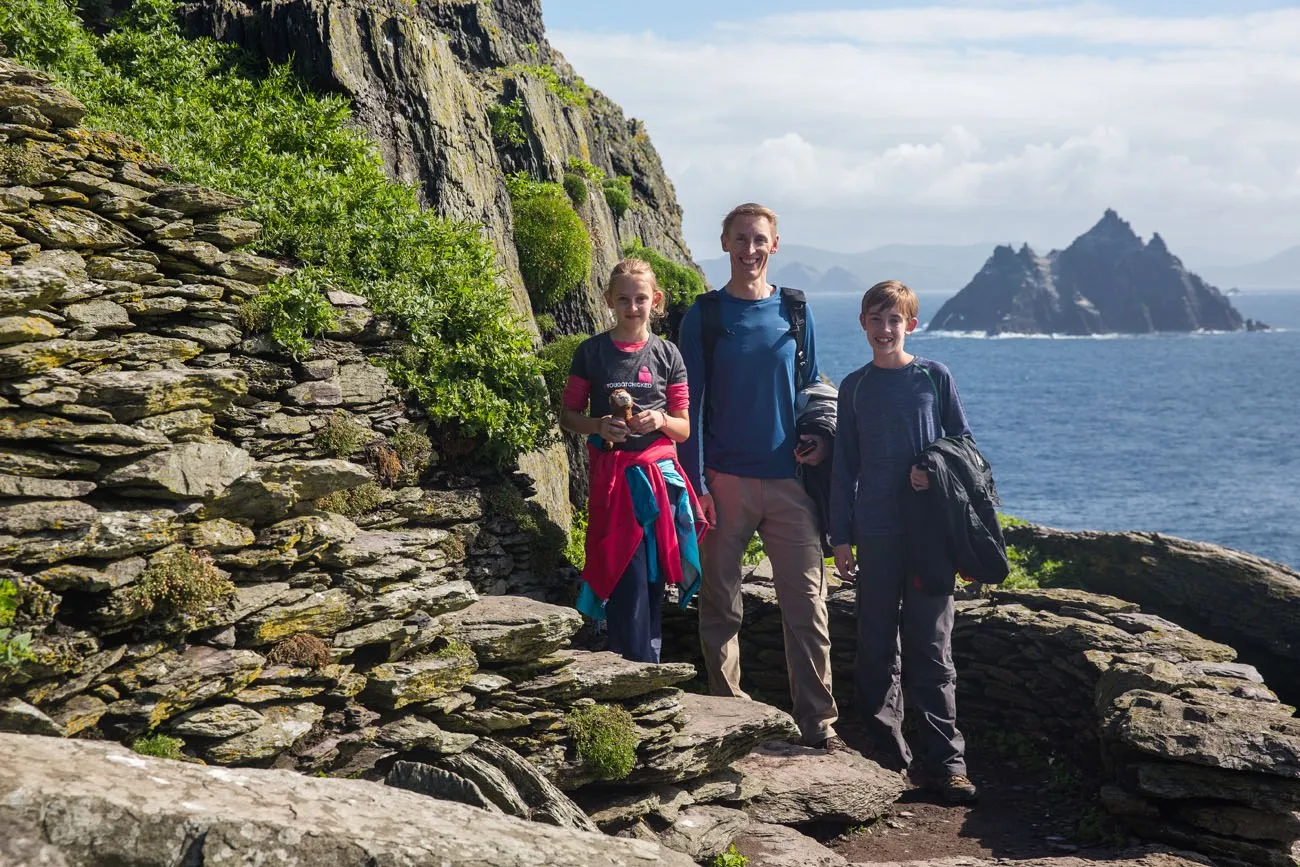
(133, 395)
(21, 86)
(220, 721)
(42, 465)
(798, 784)
(172, 682)
(321, 613)
(395, 685)
(228, 816)
(73, 228)
(717, 731)
(99, 314)
(269, 490)
(779, 846)
(109, 535)
(188, 471)
(24, 486)
(704, 831)
(21, 329)
(280, 729)
(415, 732)
(505, 629)
(17, 715)
(194, 200)
(603, 676)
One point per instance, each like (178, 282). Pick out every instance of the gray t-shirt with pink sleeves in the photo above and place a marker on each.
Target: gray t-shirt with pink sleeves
(645, 372)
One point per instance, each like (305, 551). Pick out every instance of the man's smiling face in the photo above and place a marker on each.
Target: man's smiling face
(749, 241)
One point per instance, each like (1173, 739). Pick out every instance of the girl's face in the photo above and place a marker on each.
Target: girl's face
(633, 298)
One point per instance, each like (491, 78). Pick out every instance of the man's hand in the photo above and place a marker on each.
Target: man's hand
(706, 506)
(920, 479)
(844, 562)
(612, 430)
(812, 449)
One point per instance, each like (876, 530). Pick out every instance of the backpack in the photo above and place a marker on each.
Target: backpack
(795, 304)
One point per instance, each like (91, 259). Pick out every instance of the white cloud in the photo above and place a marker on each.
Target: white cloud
(959, 124)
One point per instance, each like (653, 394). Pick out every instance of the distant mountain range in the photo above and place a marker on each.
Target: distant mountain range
(946, 268)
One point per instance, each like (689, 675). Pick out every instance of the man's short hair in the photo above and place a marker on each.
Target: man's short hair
(891, 293)
(749, 209)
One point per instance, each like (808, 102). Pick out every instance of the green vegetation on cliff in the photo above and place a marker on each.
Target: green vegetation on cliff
(605, 738)
(679, 283)
(319, 190)
(553, 243)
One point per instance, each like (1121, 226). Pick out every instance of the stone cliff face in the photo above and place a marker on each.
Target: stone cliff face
(1107, 281)
(422, 78)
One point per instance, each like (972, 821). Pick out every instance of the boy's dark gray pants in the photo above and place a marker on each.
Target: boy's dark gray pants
(890, 606)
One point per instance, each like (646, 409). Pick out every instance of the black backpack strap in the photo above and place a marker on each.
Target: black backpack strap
(796, 307)
(710, 304)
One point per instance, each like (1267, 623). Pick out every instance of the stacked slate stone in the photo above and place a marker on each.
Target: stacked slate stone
(1192, 747)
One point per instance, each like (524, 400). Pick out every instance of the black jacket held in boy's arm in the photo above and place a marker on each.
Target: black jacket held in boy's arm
(953, 527)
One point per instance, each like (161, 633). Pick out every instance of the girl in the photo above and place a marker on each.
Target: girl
(641, 512)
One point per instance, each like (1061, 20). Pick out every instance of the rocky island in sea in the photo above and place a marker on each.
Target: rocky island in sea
(1107, 281)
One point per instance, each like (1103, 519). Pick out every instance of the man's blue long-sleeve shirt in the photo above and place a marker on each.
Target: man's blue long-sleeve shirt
(751, 423)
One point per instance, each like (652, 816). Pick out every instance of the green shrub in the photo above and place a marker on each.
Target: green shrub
(605, 738)
(159, 746)
(504, 120)
(680, 284)
(576, 551)
(553, 244)
(341, 435)
(183, 581)
(454, 648)
(545, 324)
(730, 858)
(319, 189)
(576, 187)
(557, 358)
(292, 310)
(575, 94)
(1030, 569)
(8, 601)
(618, 195)
(15, 649)
(754, 551)
(579, 166)
(412, 448)
(353, 502)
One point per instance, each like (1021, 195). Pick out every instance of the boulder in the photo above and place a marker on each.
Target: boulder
(280, 728)
(703, 832)
(603, 676)
(269, 490)
(798, 784)
(779, 846)
(120, 808)
(187, 471)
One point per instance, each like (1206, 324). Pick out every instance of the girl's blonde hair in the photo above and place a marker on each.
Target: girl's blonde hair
(631, 267)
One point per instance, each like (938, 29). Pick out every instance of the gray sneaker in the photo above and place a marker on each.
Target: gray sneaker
(957, 789)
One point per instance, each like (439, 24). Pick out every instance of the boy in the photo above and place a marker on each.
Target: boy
(889, 410)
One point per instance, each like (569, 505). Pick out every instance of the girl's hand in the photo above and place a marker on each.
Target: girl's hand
(612, 429)
(844, 563)
(648, 421)
(920, 479)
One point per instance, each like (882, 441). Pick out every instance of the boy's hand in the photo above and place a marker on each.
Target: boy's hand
(811, 450)
(612, 430)
(844, 562)
(920, 479)
(648, 421)
(706, 506)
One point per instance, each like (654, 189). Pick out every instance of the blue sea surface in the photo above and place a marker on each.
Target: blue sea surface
(1195, 435)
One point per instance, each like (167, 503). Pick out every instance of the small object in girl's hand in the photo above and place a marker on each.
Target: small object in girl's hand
(805, 448)
(620, 405)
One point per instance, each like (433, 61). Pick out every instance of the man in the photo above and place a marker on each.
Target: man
(743, 456)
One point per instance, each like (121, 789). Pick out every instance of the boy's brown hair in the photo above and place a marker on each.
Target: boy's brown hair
(632, 267)
(749, 209)
(891, 293)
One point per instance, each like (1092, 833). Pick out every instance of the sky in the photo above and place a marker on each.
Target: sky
(870, 123)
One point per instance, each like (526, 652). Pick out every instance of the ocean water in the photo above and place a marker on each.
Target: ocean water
(1195, 435)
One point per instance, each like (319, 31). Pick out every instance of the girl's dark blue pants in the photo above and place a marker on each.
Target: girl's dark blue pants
(633, 612)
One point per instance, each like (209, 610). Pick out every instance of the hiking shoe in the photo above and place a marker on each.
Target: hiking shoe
(957, 789)
(833, 744)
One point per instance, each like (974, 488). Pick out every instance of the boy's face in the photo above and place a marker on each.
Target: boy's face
(886, 328)
(749, 241)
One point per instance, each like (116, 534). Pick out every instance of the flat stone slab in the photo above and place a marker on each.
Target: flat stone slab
(717, 731)
(779, 846)
(177, 811)
(604, 676)
(799, 784)
(1154, 859)
(506, 629)
(704, 831)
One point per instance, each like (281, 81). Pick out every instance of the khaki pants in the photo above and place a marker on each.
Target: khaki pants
(782, 513)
